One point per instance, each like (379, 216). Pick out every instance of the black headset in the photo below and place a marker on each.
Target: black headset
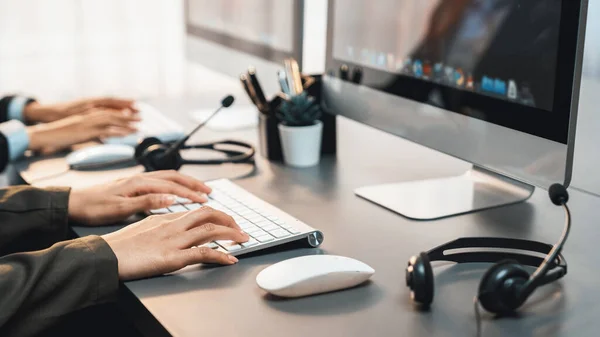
(507, 284)
(154, 155)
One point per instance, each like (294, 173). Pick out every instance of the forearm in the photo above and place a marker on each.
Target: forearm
(32, 218)
(39, 288)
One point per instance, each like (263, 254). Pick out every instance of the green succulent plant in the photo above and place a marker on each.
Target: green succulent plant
(300, 110)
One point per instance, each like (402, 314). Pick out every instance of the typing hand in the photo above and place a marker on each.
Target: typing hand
(117, 201)
(162, 244)
(38, 113)
(99, 123)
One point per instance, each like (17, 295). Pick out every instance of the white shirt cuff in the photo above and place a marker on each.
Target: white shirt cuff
(17, 137)
(16, 107)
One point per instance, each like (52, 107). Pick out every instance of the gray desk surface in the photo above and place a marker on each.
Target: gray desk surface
(226, 301)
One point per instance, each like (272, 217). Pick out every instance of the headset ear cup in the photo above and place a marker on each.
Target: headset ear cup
(142, 146)
(494, 294)
(150, 153)
(155, 158)
(419, 278)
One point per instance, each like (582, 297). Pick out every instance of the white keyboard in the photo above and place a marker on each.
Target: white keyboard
(266, 225)
(153, 124)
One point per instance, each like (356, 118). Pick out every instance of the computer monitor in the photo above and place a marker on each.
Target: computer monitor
(492, 82)
(230, 35)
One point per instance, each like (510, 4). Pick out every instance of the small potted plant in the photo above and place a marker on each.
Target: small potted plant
(300, 130)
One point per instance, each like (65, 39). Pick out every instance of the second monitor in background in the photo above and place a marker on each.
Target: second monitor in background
(492, 82)
(230, 35)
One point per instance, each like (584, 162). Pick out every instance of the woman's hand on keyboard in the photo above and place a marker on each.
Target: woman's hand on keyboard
(162, 244)
(117, 201)
(100, 123)
(46, 113)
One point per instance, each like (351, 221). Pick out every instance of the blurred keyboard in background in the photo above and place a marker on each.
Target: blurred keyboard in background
(153, 124)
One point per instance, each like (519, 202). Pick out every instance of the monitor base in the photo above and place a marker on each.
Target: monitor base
(432, 199)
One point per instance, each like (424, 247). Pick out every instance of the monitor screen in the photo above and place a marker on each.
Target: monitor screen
(264, 28)
(496, 60)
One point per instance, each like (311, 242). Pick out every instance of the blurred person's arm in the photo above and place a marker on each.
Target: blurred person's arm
(47, 138)
(45, 113)
(13, 107)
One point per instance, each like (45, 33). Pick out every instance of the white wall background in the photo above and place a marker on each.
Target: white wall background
(61, 49)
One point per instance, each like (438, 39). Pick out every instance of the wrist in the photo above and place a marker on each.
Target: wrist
(76, 212)
(34, 112)
(31, 112)
(37, 137)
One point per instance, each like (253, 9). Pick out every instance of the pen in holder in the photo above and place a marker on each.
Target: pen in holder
(268, 134)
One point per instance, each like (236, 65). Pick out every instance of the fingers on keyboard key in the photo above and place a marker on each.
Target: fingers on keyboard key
(210, 245)
(230, 246)
(250, 243)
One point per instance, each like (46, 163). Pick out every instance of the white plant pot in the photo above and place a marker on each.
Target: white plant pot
(301, 145)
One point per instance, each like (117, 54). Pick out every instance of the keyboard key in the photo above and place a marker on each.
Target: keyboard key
(192, 207)
(250, 243)
(249, 214)
(211, 203)
(257, 218)
(264, 238)
(228, 212)
(279, 233)
(238, 209)
(246, 225)
(217, 194)
(279, 222)
(262, 223)
(230, 246)
(270, 227)
(246, 213)
(177, 209)
(221, 208)
(258, 233)
(160, 211)
(272, 218)
(291, 229)
(252, 229)
(237, 218)
(227, 201)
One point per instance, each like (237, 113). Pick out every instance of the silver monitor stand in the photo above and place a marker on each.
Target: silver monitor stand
(431, 199)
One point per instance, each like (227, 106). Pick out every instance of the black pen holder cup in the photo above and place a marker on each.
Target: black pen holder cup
(268, 126)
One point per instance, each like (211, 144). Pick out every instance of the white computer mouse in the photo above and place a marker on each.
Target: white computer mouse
(313, 274)
(95, 156)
